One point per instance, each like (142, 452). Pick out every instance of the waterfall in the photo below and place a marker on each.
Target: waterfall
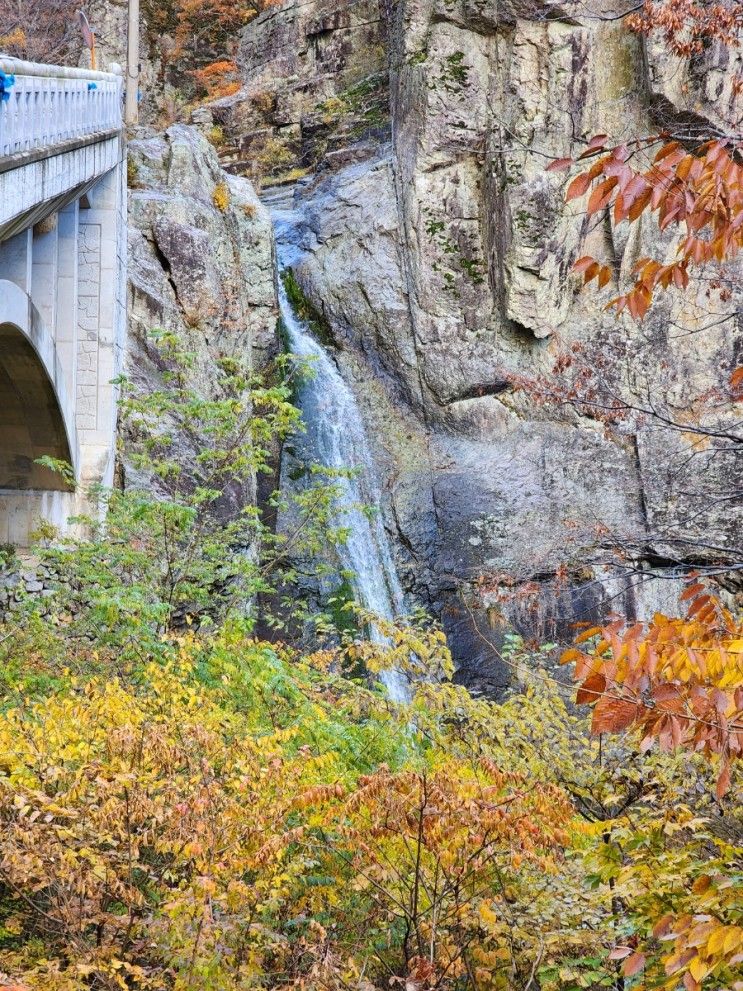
(335, 438)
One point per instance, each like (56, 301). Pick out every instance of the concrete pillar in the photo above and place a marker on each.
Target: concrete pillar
(44, 265)
(67, 292)
(15, 259)
(100, 323)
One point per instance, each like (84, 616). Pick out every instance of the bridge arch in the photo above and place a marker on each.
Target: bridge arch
(36, 412)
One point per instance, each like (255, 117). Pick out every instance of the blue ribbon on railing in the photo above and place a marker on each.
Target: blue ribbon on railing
(92, 86)
(6, 81)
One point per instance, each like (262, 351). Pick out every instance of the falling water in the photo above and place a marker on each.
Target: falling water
(335, 438)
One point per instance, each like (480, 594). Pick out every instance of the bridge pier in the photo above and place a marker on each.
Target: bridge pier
(62, 290)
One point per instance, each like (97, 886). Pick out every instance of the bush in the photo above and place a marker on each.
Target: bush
(233, 815)
(221, 197)
(274, 157)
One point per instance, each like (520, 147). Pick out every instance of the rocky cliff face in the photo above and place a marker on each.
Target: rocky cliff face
(316, 91)
(441, 259)
(200, 265)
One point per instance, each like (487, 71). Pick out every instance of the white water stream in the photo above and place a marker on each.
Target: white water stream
(335, 438)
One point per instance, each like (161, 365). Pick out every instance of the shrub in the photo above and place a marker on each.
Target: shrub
(221, 197)
(274, 156)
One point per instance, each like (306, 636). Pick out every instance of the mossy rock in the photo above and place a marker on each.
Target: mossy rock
(306, 310)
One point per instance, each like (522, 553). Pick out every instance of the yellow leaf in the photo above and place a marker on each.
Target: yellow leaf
(487, 914)
(717, 940)
(733, 939)
(699, 969)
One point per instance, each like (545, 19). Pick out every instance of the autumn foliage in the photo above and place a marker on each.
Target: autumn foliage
(686, 26)
(199, 41)
(678, 681)
(230, 816)
(698, 192)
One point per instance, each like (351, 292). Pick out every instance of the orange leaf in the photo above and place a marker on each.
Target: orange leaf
(613, 715)
(570, 655)
(663, 925)
(723, 782)
(583, 263)
(592, 631)
(666, 150)
(639, 205)
(691, 591)
(578, 187)
(601, 195)
(700, 886)
(591, 689)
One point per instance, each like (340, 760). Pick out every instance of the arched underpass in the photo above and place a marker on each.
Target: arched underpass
(32, 421)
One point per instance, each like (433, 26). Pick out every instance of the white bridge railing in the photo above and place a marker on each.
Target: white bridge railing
(46, 105)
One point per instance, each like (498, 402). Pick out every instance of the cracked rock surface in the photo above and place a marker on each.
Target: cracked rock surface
(200, 265)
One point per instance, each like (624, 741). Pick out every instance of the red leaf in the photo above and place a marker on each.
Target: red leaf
(597, 142)
(613, 715)
(560, 165)
(633, 964)
(620, 952)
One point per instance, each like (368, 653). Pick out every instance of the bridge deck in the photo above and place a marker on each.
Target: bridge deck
(59, 129)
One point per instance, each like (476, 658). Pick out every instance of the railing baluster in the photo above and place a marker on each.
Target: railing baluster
(46, 105)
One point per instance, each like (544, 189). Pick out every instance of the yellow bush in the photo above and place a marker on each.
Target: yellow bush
(274, 156)
(221, 197)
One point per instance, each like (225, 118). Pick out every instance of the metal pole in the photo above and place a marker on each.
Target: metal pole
(131, 113)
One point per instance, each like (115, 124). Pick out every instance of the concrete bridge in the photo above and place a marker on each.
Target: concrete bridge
(62, 287)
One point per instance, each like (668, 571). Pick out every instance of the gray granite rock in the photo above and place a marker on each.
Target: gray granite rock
(200, 265)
